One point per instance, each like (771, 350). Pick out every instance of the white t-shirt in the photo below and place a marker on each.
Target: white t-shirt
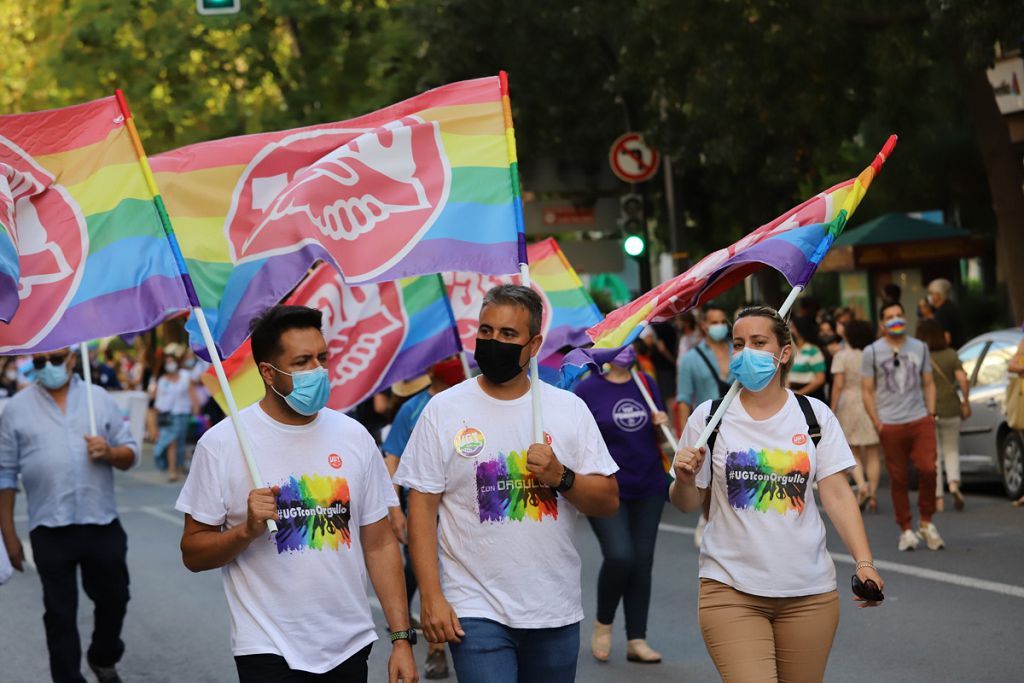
(172, 395)
(302, 593)
(506, 541)
(764, 534)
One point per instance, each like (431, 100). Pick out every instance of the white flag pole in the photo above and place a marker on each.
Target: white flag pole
(229, 400)
(464, 359)
(649, 400)
(734, 390)
(538, 418)
(87, 375)
(197, 311)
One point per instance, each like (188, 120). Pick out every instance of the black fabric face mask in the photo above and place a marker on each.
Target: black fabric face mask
(498, 361)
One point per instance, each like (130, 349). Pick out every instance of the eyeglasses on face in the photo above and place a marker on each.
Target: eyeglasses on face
(39, 362)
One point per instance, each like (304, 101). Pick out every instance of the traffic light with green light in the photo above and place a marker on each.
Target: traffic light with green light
(633, 224)
(210, 7)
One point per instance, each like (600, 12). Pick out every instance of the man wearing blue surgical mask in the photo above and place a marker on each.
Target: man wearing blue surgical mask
(68, 476)
(297, 599)
(704, 373)
(704, 370)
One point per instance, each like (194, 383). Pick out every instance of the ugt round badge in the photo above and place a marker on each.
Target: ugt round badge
(469, 441)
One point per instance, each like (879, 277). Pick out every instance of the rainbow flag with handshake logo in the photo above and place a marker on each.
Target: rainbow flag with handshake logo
(83, 253)
(568, 308)
(793, 244)
(377, 334)
(423, 186)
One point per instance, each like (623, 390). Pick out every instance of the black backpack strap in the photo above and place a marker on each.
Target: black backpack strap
(714, 433)
(723, 387)
(813, 428)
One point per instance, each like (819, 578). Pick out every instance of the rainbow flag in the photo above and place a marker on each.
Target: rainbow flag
(82, 233)
(423, 186)
(794, 244)
(377, 334)
(568, 308)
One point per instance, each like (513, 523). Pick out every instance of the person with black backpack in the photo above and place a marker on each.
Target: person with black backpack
(769, 607)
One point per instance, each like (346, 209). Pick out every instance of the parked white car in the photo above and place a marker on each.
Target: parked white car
(987, 444)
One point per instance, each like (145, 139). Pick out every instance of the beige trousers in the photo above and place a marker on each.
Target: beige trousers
(761, 640)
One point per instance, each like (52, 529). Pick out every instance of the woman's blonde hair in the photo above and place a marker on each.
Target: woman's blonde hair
(780, 328)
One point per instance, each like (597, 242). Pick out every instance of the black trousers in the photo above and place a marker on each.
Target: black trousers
(627, 544)
(269, 668)
(100, 550)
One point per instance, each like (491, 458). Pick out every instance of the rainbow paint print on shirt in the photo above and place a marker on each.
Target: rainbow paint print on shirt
(767, 480)
(507, 491)
(315, 512)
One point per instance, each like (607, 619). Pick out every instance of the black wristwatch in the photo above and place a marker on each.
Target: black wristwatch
(567, 480)
(409, 635)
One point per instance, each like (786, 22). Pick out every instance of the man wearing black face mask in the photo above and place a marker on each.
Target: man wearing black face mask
(511, 606)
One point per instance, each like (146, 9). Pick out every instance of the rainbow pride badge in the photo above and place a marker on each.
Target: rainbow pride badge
(469, 441)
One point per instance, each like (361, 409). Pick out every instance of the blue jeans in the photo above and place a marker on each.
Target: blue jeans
(494, 653)
(627, 545)
(176, 432)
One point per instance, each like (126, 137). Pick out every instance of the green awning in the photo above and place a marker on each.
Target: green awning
(898, 227)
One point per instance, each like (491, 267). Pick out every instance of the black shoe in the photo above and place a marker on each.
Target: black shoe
(436, 666)
(105, 674)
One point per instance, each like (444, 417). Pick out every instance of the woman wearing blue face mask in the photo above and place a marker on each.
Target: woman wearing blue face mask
(768, 615)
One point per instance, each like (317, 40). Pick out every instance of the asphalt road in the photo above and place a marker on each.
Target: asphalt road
(953, 615)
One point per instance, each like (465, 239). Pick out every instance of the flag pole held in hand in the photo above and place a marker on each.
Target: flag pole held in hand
(197, 310)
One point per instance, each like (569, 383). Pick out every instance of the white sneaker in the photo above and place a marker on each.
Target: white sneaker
(930, 535)
(698, 533)
(908, 540)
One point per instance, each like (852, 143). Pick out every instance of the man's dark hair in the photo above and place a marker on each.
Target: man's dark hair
(807, 330)
(886, 305)
(712, 306)
(275, 321)
(892, 292)
(517, 295)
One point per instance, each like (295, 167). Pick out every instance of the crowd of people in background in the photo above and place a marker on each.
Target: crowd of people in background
(864, 395)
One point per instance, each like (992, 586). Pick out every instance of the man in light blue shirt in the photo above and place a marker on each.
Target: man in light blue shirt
(701, 377)
(69, 486)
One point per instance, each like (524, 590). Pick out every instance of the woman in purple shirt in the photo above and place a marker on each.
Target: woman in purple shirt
(627, 540)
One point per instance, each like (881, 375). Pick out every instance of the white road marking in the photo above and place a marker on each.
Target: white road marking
(173, 518)
(905, 569)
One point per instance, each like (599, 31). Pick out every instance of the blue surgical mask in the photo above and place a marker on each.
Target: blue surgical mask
(53, 376)
(754, 369)
(718, 332)
(310, 391)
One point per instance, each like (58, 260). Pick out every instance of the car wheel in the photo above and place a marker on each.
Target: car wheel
(1011, 461)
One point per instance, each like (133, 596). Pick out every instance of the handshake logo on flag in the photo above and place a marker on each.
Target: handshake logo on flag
(368, 200)
(48, 231)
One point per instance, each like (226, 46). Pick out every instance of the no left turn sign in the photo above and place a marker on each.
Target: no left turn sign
(632, 160)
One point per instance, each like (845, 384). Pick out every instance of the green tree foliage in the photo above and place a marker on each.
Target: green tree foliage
(759, 103)
(276, 64)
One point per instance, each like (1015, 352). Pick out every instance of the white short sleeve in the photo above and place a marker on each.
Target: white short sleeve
(594, 457)
(694, 427)
(833, 453)
(378, 493)
(424, 462)
(202, 496)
